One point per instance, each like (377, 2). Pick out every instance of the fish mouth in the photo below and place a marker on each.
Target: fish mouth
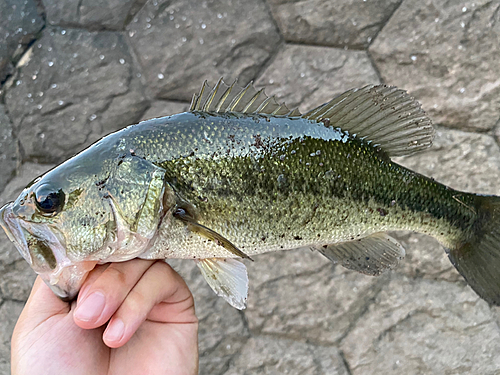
(63, 276)
(14, 231)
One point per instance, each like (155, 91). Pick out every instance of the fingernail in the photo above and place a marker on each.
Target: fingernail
(115, 330)
(91, 307)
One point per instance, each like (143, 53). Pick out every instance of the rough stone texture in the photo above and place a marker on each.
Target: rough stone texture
(308, 76)
(91, 14)
(267, 355)
(76, 87)
(304, 314)
(316, 303)
(9, 311)
(337, 23)
(19, 24)
(424, 327)
(161, 108)
(219, 38)
(445, 54)
(9, 153)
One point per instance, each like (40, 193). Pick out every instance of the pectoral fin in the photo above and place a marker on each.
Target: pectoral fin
(370, 255)
(228, 278)
(202, 230)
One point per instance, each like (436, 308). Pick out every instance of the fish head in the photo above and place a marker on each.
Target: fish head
(58, 223)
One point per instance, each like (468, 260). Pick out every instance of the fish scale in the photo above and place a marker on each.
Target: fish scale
(239, 175)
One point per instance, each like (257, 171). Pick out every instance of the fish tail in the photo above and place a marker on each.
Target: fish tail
(478, 258)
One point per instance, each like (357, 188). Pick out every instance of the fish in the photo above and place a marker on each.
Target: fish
(240, 174)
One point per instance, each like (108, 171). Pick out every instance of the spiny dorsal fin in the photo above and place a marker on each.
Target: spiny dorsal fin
(223, 98)
(385, 116)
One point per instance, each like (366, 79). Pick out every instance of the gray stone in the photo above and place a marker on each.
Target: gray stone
(308, 76)
(317, 305)
(161, 108)
(19, 24)
(9, 153)
(461, 160)
(445, 54)
(91, 14)
(180, 44)
(76, 87)
(333, 23)
(269, 355)
(9, 312)
(424, 327)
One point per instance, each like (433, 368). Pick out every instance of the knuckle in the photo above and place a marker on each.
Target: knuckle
(115, 275)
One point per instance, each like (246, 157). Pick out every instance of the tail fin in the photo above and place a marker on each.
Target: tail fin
(478, 259)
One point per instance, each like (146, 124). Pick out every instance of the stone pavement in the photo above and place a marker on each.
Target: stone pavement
(76, 70)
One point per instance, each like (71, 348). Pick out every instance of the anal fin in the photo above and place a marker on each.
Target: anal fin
(228, 278)
(370, 255)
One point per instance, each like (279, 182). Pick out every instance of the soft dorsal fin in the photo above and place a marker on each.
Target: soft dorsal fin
(385, 116)
(246, 100)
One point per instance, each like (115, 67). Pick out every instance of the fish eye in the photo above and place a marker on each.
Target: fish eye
(48, 200)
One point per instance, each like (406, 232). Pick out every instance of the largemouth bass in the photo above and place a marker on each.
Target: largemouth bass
(239, 175)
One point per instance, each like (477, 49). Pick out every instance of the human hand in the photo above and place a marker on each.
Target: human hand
(135, 317)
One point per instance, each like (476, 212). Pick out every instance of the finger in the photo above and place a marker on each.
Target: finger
(89, 281)
(160, 284)
(107, 292)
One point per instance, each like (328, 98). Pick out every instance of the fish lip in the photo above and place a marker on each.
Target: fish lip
(66, 279)
(14, 231)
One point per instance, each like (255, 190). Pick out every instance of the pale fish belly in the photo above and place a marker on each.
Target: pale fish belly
(287, 227)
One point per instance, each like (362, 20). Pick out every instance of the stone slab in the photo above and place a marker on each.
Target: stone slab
(226, 38)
